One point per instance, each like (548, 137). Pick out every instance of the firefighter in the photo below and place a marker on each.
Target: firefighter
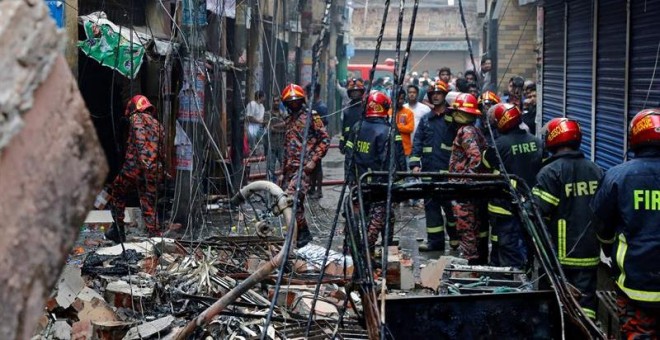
(626, 211)
(487, 100)
(522, 155)
(431, 152)
(293, 97)
(565, 186)
(467, 158)
(142, 170)
(369, 150)
(353, 112)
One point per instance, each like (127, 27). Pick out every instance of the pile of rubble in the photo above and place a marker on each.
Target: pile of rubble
(150, 287)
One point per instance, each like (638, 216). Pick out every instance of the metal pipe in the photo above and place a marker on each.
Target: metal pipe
(284, 206)
(254, 159)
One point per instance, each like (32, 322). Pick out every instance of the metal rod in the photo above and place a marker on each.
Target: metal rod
(283, 205)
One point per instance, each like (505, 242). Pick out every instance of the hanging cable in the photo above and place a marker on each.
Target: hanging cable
(393, 150)
(515, 49)
(316, 51)
(467, 35)
(344, 186)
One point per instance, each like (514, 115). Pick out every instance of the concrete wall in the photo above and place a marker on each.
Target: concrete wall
(50, 169)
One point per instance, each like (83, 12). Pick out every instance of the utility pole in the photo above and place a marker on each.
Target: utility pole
(191, 116)
(252, 23)
(335, 22)
(237, 126)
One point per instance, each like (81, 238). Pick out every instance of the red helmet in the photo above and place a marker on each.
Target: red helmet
(645, 129)
(355, 85)
(378, 104)
(563, 132)
(293, 92)
(489, 98)
(506, 116)
(467, 103)
(139, 103)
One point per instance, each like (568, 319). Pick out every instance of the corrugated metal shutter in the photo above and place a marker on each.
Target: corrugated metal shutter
(644, 43)
(553, 60)
(579, 67)
(610, 81)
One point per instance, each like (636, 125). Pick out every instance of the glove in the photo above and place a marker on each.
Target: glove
(309, 167)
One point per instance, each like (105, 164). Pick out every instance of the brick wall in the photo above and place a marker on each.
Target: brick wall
(520, 61)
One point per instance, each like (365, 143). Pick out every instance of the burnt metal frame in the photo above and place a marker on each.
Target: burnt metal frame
(478, 185)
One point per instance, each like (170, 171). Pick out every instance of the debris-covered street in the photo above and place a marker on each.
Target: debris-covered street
(336, 169)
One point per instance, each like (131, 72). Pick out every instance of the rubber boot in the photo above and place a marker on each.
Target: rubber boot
(116, 233)
(304, 237)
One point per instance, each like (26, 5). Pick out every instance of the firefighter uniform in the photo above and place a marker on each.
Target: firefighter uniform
(351, 115)
(466, 158)
(370, 152)
(627, 207)
(565, 186)
(142, 169)
(431, 151)
(522, 155)
(316, 147)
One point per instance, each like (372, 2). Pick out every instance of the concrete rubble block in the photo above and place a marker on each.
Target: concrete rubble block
(122, 294)
(393, 267)
(69, 286)
(94, 310)
(50, 171)
(148, 329)
(31, 44)
(61, 330)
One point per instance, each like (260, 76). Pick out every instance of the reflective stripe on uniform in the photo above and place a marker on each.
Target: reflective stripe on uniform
(514, 183)
(348, 128)
(484, 159)
(640, 295)
(427, 149)
(415, 159)
(548, 197)
(483, 234)
(621, 250)
(606, 241)
(397, 138)
(494, 238)
(454, 242)
(435, 230)
(589, 312)
(498, 210)
(349, 144)
(634, 294)
(445, 146)
(561, 250)
(341, 137)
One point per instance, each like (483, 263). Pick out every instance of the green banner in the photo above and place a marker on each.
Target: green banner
(111, 49)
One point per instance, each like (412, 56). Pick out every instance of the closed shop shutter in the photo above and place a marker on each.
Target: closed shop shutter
(645, 39)
(610, 83)
(553, 60)
(579, 57)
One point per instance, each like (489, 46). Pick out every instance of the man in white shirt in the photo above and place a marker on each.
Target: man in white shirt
(419, 109)
(254, 116)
